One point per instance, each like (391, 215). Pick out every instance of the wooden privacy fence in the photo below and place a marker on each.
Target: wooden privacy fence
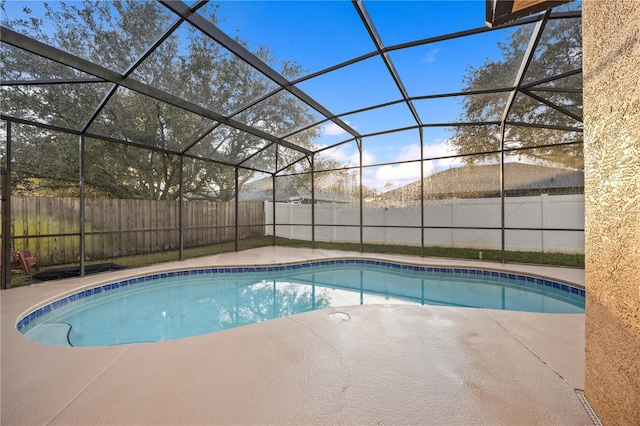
(50, 227)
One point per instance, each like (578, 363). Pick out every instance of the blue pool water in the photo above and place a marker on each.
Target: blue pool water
(179, 304)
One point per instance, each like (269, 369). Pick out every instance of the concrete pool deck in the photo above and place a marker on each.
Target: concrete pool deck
(386, 364)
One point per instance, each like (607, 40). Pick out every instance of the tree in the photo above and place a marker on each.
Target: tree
(187, 64)
(559, 51)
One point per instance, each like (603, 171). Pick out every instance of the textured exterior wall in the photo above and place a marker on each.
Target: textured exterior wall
(611, 46)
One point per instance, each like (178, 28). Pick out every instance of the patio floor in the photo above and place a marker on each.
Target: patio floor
(387, 364)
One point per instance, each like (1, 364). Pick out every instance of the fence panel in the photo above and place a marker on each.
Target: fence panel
(50, 226)
(401, 226)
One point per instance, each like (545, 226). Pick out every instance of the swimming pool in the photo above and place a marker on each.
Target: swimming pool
(179, 304)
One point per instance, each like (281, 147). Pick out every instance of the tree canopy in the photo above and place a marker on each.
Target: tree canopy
(157, 119)
(535, 129)
(185, 63)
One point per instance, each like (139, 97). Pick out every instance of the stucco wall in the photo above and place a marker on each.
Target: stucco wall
(611, 46)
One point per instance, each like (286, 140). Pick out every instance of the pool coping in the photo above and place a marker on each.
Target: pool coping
(540, 283)
(122, 384)
(544, 272)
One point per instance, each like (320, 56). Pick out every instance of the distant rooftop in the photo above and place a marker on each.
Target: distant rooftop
(476, 181)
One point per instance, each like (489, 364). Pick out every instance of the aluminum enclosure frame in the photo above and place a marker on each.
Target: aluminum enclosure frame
(185, 13)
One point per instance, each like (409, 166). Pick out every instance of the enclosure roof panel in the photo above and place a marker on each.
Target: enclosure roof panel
(156, 124)
(191, 65)
(113, 34)
(406, 21)
(245, 82)
(329, 32)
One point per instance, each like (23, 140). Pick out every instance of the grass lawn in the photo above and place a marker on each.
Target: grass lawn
(555, 259)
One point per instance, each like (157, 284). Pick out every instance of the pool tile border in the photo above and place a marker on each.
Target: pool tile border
(473, 273)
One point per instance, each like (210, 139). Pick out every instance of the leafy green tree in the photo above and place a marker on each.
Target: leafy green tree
(559, 52)
(187, 64)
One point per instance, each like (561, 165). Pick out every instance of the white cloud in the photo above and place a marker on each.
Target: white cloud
(332, 129)
(340, 154)
(439, 150)
(368, 157)
(430, 56)
(408, 153)
(395, 175)
(389, 176)
(348, 154)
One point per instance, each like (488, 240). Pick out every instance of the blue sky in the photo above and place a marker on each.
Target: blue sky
(319, 34)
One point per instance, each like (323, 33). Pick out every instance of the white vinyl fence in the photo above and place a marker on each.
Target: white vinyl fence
(341, 223)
